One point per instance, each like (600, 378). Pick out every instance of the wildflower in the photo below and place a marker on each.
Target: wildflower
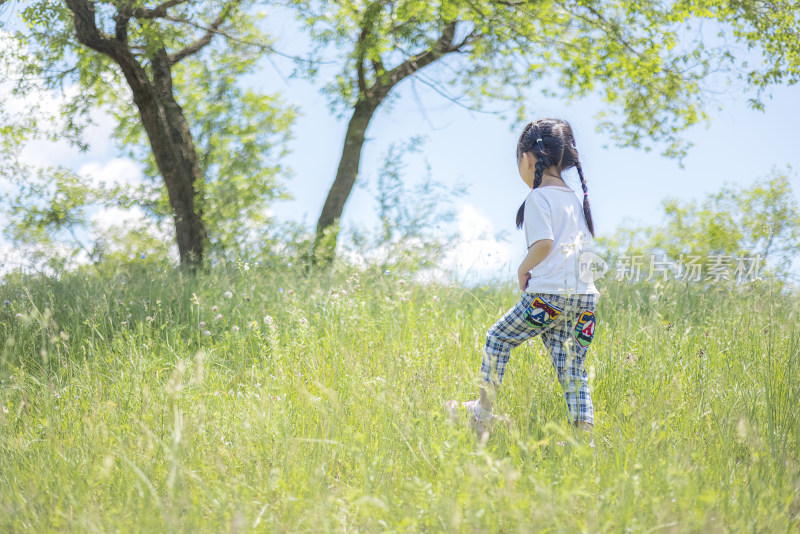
(303, 321)
(6, 303)
(228, 294)
(202, 324)
(252, 324)
(124, 323)
(142, 256)
(268, 319)
(235, 328)
(387, 272)
(218, 317)
(280, 290)
(402, 282)
(435, 298)
(273, 327)
(344, 292)
(206, 333)
(148, 319)
(19, 316)
(195, 300)
(214, 309)
(289, 265)
(291, 292)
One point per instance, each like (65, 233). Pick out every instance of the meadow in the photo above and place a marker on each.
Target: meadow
(254, 398)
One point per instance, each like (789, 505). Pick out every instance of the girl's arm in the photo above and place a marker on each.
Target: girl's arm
(536, 253)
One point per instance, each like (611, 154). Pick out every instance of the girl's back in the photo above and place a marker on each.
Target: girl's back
(554, 212)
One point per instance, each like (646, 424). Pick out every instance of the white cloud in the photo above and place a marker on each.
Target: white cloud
(478, 255)
(46, 104)
(108, 218)
(11, 257)
(39, 152)
(19, 257)
(118, 171)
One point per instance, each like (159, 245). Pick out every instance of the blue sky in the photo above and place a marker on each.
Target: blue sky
(626, 186)
(740, 146)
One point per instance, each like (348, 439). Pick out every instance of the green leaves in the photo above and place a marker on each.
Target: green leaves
(239, 134)
(762, 220)
(646, 58)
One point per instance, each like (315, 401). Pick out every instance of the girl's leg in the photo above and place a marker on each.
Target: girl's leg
(509, 332)
(531, 316)
(568, 343)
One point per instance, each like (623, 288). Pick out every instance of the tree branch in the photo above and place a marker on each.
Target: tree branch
(371, 14)
(158, 12)
(162, 75)
(360, 52)
(608, 27)
(83, 14)
(122, 18)
(86, 28)
(443, 45)
(206, 38)
(377, 66)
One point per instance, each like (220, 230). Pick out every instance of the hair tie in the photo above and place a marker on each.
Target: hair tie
(585, 194)
(539, 140)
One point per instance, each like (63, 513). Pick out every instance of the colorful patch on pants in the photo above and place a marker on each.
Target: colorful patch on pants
(540, 313)
(584, 328)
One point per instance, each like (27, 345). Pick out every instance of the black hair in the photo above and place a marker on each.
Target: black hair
(553, 144)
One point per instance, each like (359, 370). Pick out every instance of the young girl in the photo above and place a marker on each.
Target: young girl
(558, 300)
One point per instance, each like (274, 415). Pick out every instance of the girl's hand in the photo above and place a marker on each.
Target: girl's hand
(523, 276)
(536, 253)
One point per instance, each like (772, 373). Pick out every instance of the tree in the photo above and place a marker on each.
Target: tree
(639, 55)
(409, 237)
(761, 223)
(241, 138)
(138, 62)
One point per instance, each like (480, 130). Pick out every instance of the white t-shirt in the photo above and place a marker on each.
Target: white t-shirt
(554, 212)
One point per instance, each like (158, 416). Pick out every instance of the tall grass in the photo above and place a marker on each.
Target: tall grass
(118, 413)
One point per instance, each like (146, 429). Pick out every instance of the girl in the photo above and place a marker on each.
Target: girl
(558, 300)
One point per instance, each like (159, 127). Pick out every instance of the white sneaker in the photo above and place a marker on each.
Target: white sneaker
(479, 419)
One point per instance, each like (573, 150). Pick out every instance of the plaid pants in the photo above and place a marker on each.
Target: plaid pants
(566, 325)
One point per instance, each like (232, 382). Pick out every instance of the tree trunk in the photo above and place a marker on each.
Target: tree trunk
(176, 156)
(164, 122)
(325, 241)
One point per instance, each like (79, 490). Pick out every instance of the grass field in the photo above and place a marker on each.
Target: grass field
(129, 403)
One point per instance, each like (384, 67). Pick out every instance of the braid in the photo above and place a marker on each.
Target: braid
(542, 162)
(521, 215)
(587, 210)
